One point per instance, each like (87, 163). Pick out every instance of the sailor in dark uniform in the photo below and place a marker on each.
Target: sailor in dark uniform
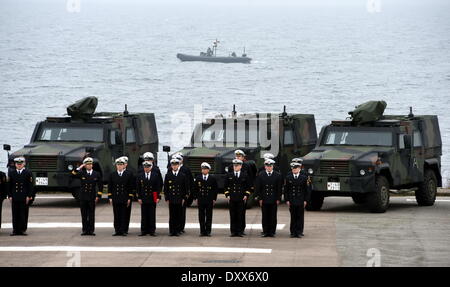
(128, 171)
(149, 157)
(3, 192)
(20, 193)
(249, 167)
(120, 193)
(237, 190)
(148, 186)
(190, 178)
(90, 192)
(268, 191)
(205, 192)
(296, 195)
(175, 192)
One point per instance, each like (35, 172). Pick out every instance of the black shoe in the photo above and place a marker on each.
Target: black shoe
(117, 234)
(301, 234)
(243, 233)
(182, 231)
(233, 235)
(13, 234)
(240, 235)
(91, 234)
(84, 234)
(271, 235)
(142, 234)
(208, 234)
(152, 234)
(265, 235)
(292, 235)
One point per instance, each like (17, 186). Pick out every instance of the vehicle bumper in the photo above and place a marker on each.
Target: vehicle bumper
(349, 184)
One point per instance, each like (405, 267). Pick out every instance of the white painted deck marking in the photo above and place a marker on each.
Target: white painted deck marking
(131, 249)
(132, 225)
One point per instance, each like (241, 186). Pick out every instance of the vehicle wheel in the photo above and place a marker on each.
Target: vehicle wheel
(359, 198)
(190, 200)
(426, 194)
(76, 193)
(378, 201)
(316, 201)
(251, 201)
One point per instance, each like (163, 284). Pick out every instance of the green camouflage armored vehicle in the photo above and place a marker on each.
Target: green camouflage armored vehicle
(214, 141)
(59, 144)
(371, 154)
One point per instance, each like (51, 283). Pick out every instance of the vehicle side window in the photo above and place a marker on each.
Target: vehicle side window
(417, 139)
(401, 141)
(288, 137)
(130, 136)
(112, 137)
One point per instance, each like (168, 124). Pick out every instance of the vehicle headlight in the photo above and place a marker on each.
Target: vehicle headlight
(362, 172)
(310, 171)
(70, 167)
(226, 169)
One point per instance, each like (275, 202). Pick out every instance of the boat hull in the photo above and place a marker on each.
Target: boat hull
(190, 58)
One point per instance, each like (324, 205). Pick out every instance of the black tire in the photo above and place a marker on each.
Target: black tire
(189, 200)
(316, 202)
(359, 198)
(426, 194)
(378, 201)
(76, 193)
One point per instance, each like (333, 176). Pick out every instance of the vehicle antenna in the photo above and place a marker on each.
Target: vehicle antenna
(284, 111)
(233, 113)
(125, 112)
(411, 115)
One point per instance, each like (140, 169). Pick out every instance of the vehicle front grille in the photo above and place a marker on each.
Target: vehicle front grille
(195, 164)
(46, 163)
(334, 167)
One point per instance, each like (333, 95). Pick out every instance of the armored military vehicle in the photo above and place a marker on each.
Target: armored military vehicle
(371, 154)
(283, 134)
(59, 144)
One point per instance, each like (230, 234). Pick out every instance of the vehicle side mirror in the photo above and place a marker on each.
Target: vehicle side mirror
(6, 147)
(166, 148)
(408, 141)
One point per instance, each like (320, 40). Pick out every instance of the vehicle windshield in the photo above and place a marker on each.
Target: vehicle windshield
(67, 133)
(364, 138)
(238, 137)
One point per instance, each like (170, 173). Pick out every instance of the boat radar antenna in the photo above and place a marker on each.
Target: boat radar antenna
(233, 113)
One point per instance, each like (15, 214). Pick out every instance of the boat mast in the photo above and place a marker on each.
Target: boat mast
(215, 46)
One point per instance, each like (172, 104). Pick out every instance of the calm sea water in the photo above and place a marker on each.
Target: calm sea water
(315, 57)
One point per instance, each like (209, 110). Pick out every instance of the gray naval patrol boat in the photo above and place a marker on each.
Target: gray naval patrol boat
(210, 56)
